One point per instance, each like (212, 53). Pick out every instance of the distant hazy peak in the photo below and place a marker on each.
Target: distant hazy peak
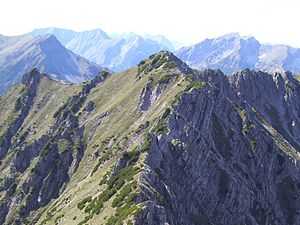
(55, 31)
(233, 52)
(49, 30)
(235, 35)
(115, 51)
(97, 32)
(160, 39)
(47, 37)
(19, 54)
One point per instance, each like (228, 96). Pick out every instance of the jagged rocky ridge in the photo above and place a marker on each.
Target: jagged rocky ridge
(229, 157)
(159, 144)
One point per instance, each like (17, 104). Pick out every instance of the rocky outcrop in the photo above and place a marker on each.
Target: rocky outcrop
(166, 59)
(183, 67)
(275, 96)
(150, 95)
(154, 88)
(22, 107)
(219, 163)
(22, 158)
(3, 212)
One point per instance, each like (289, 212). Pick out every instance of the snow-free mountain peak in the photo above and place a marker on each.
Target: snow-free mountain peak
(117, 52)
(233, 52)
(19, 54)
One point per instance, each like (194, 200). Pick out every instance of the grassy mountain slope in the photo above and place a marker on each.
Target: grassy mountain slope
(112, 117)
(158, 143)
(120, 127)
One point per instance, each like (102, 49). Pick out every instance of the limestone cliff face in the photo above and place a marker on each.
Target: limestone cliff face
(275, 96)
(226, 158)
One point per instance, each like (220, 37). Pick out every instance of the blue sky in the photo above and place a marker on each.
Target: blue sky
(189, 21)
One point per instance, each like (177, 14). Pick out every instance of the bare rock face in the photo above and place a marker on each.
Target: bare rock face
(227, 158)
(275, 96)
(149, 96)
(22, 107)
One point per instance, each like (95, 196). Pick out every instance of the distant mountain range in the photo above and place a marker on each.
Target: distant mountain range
(19, 54)
(117, 52)
(232, 53)
(51, 51)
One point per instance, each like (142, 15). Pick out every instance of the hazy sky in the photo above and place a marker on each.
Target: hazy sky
(189, 21)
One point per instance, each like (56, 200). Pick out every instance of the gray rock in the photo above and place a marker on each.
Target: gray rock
(226, 167)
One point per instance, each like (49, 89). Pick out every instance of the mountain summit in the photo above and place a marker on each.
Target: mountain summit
(233, 52)
(22, 53)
